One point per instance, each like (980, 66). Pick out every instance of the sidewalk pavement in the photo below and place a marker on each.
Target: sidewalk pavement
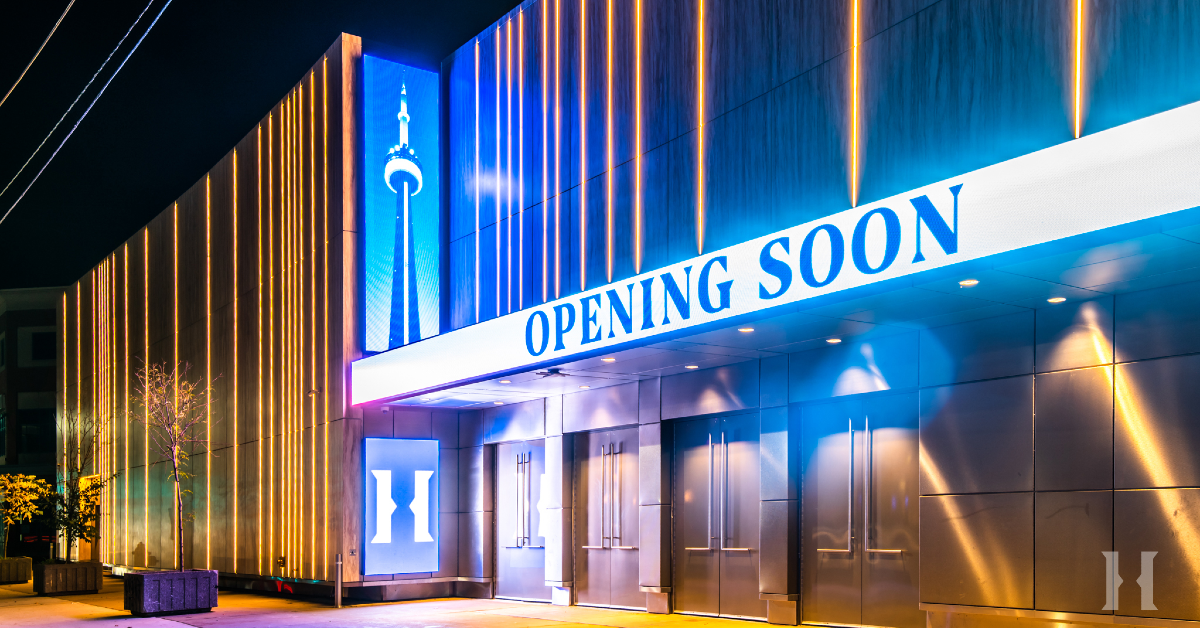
(20, 607)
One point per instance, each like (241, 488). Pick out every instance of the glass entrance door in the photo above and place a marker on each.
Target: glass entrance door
(860, 512)
(716, 497)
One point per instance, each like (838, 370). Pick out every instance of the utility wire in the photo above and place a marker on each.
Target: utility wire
(39, 51)
(76, 101)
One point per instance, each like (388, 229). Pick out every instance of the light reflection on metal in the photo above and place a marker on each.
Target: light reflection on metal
(258, 389)
(325, 302)
(208, 368)
(146, 416)
(235, 360)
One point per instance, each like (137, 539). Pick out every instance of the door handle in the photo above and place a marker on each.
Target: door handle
(614, 495)
(869, 442)
(520, 527)
(725, 495)
(708, 547)
(849, 499)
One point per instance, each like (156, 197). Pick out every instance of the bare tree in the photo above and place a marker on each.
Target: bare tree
(174, 409)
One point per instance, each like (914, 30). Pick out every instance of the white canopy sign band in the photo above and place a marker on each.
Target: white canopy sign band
(1139, 170)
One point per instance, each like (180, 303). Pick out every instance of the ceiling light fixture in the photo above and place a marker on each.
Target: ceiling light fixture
(833, 341)
(585, 386)
(1056, 299)
(608, 359)
(506, 381)
(745, 330)
(691, 366)
(499, 403)
(967, 283)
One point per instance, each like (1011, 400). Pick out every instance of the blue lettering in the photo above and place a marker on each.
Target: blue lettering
(927, 213)
(589, 319)
(858, 242)
(722, 288)
(647, 303)
(776, 268)
(545, 333)
(624, 316)
(682, 303)
(559, 327)
(837, 254)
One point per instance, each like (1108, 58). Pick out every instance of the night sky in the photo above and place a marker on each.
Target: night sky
(202, 78)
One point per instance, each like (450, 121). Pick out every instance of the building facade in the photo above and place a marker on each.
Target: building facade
(843, 313)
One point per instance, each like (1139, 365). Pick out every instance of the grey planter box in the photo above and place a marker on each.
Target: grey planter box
(67, 578)
(157, 592)
(16, 570)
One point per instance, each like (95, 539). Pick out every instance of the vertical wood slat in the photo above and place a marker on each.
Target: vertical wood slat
(193, 291)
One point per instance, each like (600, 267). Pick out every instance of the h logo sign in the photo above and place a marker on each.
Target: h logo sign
(1113, 581)
(400, 472)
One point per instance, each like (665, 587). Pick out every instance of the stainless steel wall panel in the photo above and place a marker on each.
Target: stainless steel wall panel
(773, 382)
(559, 555)
(377, 422)
(1073, 428)
(445, 429)
(1074, 335)
(1166, 521)
(1070, 532)
(1157, 323)
(654, 463)
(518, 421)
(709, 391)
(475, 468)
(611, 406)
(654, 553)
(977, 550)
(984, 349)
(470, 428)
(778, 446)
(448, 545)
(977, 437)
(887, 363)
(559, 463)
(448, 485)
(649, 400)
(554, 415)
(780, 531)
(475, 547)
(1156, 433)
(408, 423)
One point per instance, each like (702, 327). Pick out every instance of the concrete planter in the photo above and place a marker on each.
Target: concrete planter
(160, 592)
(16, 570)
(62, 578)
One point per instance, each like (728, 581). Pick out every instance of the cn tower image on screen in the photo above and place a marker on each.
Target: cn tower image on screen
(402, 172)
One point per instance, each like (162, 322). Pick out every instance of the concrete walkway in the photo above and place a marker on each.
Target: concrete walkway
(20, 607)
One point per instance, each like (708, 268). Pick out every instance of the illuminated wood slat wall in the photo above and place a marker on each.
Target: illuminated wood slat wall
(248, 278)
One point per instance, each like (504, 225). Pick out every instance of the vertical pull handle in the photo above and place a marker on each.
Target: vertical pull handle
(528, 496)
(708, 542)
(605, 496)
(725, 496)
(849, 495)
(868, 493)
(520, 507)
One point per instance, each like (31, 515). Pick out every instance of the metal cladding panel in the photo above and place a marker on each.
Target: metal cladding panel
(984, 349)
(654, 553)
(470, 428)
(977, 437)
(977, 550)
(412, 423)
(554, 415)
(1070, 532)
(654, 464)
(559, 555)
(887, 363)
(1073, 429)
(518, 421)
(780, 531)
(773, 388)
(1157, 323)
(1074, 335)
(475, 468)
(710, 391)
(1166, 524)
(445, 429)
(448, 544)
(559, 461)
(611, 406)
(475, 544)
(1157, 435)
(778, 445)
(649, 400)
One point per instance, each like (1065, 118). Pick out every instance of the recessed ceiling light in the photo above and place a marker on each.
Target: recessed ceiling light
(691, 366)
(506, 381)
(745, 330)
(608, 359)
(1056, 299)
(833, 341)
(499, 403)
(585, 386)
(427, 399)
(967, 283)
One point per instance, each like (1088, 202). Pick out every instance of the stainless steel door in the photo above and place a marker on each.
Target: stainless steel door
(606, 496)
(717, 517)
(860, 512)
(521, 545)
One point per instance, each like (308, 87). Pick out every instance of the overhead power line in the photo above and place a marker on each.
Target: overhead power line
(39, 51)
(86, 111)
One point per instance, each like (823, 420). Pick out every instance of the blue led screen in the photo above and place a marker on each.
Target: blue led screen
(402, 204)
(401, 506)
